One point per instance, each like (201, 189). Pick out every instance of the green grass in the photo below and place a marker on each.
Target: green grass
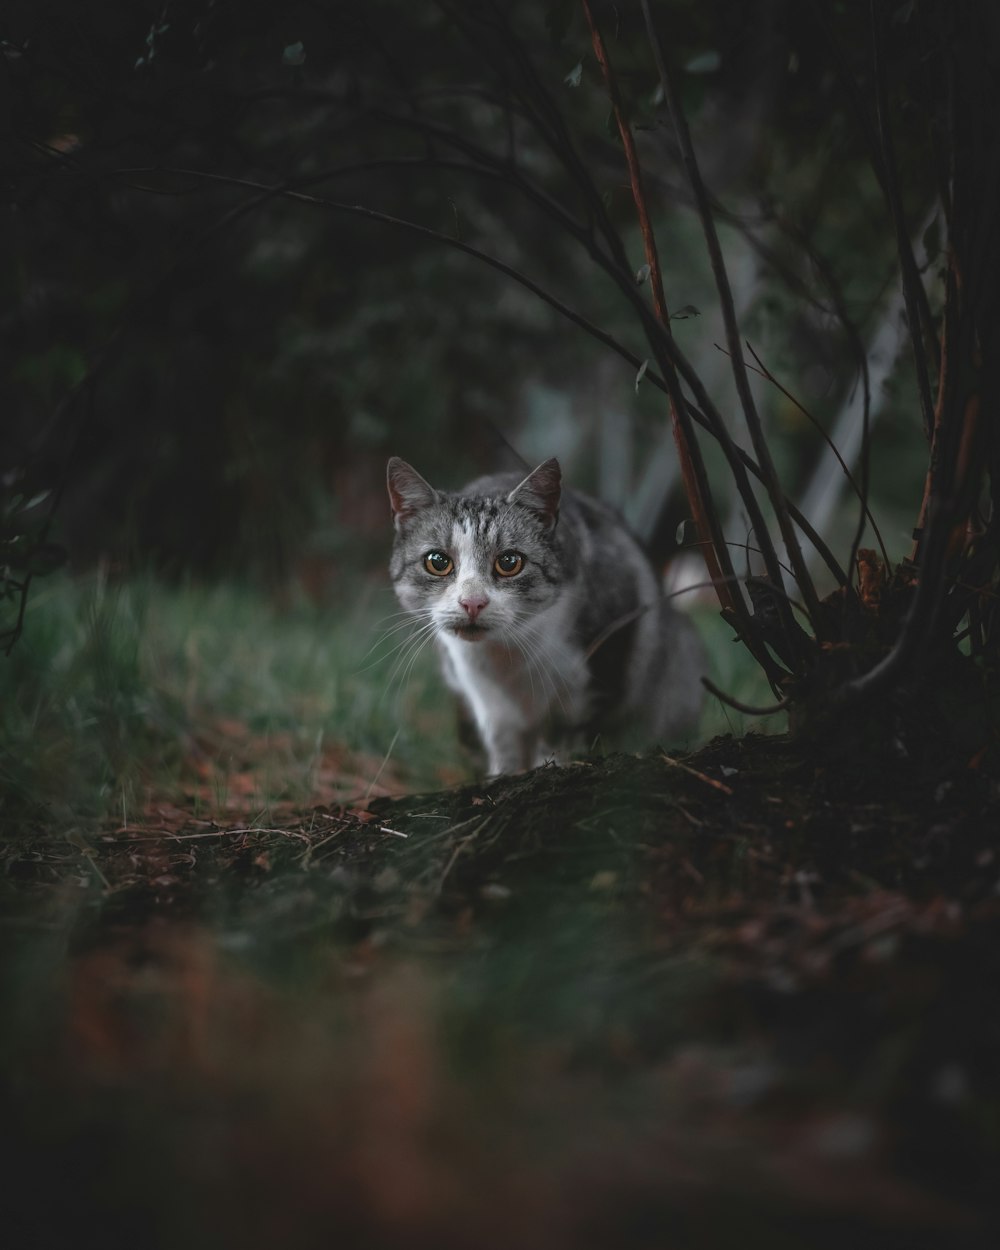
(117, 689)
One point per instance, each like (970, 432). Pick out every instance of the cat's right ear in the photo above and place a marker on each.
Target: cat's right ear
(408, 492)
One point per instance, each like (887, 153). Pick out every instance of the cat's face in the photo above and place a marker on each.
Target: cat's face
(476, 566)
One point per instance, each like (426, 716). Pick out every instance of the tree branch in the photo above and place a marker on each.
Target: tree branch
(907, 263)
(860, 491)
(751, 416)
(692, 465)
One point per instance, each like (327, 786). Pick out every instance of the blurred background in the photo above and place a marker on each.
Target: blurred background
(245, 258)
(204, 374)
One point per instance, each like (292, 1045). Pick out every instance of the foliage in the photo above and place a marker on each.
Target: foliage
(221, 159)
(126, 699)
(578, 1007)
(254, 248)
(122, 698)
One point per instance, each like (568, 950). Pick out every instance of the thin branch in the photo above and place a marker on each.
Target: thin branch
(907, 263)
(540, 107)
(748, 708)
(372, 214)
(742, 458)
(551, 126)
(692, 465)
(858, 490)
(488, 164)
(739, 462)
(747, 547)
(827, 276)
(664, 344)
(805, 525)
(957, 460)
(751, 416)
(870, 136)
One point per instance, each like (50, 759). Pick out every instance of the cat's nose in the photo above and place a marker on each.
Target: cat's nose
(473, 605)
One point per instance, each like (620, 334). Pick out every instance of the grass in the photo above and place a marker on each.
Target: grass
(582, 1006)
(123, 694)
(120, 690)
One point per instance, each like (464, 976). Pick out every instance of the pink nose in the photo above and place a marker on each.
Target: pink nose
(474, 606)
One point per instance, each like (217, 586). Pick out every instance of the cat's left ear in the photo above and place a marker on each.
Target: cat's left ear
(408, 492)
(540, 492)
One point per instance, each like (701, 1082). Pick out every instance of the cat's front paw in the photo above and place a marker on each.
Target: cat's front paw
(507, 765)
(497, 770)
(525, 763)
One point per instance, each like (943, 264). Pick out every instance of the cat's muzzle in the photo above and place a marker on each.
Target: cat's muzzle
(471, 632)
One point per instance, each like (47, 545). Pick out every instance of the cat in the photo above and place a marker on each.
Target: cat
(548, 617)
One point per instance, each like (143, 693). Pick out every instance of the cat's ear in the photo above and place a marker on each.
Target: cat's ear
(540, 491)
(408, 492)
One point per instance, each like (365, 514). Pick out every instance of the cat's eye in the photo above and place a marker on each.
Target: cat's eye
(438, 563)
(509, 563)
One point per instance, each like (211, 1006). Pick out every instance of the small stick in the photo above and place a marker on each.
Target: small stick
(709, 781)
(285, 833)
(314, 846)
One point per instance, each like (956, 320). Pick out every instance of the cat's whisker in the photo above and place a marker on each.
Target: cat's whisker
(528, 668)
(414, 654)
(403, 615)
(532, 666)
(402, 621)
(407, 649)
(560, 678)
(535, 662)
(380, 642)
(412, 642)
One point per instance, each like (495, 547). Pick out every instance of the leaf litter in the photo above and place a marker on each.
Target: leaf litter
(740, 985)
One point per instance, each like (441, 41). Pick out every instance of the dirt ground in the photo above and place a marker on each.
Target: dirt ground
(746, 996)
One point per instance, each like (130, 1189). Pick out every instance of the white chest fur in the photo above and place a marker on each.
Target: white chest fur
(520, 688)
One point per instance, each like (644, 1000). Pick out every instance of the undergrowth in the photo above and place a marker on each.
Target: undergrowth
(119, 691)
(122, 694)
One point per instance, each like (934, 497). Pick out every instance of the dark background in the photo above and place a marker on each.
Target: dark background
(209, 378)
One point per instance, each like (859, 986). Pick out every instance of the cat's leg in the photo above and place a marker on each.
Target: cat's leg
(501, 720)
(508, 749)
(504, 729)
(560, 751)
(545, 753)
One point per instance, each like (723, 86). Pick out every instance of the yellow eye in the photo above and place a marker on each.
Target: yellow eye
(509, 564)
(438, 563)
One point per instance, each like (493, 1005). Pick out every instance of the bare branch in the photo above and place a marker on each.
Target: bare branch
(692, 465)
(860, 491)
(748, 708)
(751, 416)
(907, 263)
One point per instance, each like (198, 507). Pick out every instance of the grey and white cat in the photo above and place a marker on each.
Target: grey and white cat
(548, 616)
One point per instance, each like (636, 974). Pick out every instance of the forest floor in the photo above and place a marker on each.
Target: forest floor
(747, 996)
